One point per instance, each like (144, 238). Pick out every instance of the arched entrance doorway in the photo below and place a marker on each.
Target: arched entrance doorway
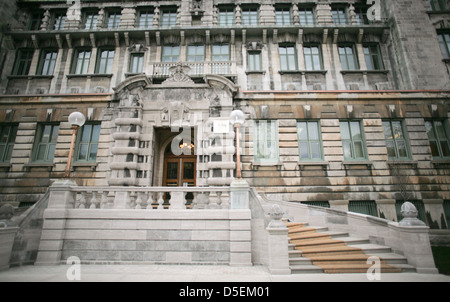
(180, 170)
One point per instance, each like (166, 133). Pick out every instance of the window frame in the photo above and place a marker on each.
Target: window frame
(226, 15)
(108, 60)
(90, 24)
(196, 55)
(352, 141)
(444, 42)
(46, 66)
(283, 15)
(311, 55)
(112, 20)
(132, 67)
(339, 15)
(85, 60)
(395, 141)
(221, 56)
(22, 64)
(371, 56)
(437, 139)
(147, 21)
(49, 145)
(7, 146)
(59, 19)
(310, 141)
(274, 142)
(306, 13)
(354, 56)
(168, 17)
(90, 143)
(250, 15)
(254, 60)
(174, 57)
(287, 56)
(35, 20)
(438, 5)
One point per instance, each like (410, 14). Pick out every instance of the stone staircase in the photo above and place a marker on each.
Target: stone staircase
(318, 250)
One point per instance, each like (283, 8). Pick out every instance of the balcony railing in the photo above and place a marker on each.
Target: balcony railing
(197, 68)
(151, 198)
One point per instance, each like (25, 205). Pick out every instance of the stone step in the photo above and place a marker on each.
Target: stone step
(356, 268)
(313, 235)
(306, 269)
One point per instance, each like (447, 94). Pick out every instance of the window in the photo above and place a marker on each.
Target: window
(23, 62)
(7, 138)
(81, 61)
(196, 53)
(59, 20)
(396, 142)
(444, 43)
(249, 16)
(372, 55)
(254, 61)
(221, 52)
(439, 139)
(266, 141)
(45, 143)
(136, 62)
(367, 207)
(113, 19)
(170, 53)
(313, 58)
(168, 17)
(437, 5)
(226, 16)
(339, 15)
(105, 61)
(35, 21)
(145, 19)
(288, 60)
(347, 55)
(361, 15)
(306, 15)
(352, 140)
(283, 15)
(90, 20)
(309, 140)
(87, 143)
(47, 62)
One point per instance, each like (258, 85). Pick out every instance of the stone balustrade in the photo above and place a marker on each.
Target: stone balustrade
(196, 68)
(151, 198)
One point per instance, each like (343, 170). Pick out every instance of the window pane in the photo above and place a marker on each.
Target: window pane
(430, 131)
(302, 131)
(345, 131)
(440, 130)
(390, 149)
(315, 150)
(356, 130)
(387, 130)
(313, 131)
(445, 148)
(82, 153)
(347, 147)
(93, 152)
(359, 152)
(401, 146)
(434, 149)
(304, 152)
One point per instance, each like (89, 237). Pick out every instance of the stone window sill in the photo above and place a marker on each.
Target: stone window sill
(90, 75)
(302, 164)
(92, 166)
(365, 71)
(367, 163)
(49, 166)
(256, 165)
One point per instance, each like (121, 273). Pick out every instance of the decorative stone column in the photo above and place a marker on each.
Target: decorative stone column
(278, 253)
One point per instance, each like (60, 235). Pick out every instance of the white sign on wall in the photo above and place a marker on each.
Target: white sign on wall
(221, 126)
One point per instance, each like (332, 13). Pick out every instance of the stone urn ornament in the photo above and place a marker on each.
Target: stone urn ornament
(276, 213)
(410, 213)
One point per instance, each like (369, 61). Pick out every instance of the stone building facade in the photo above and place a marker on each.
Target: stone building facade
(346, 102)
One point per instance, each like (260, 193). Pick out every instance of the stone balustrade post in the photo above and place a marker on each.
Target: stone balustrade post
(278, 252)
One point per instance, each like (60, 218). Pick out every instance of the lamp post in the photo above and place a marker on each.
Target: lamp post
(237, 118)
(77, 120)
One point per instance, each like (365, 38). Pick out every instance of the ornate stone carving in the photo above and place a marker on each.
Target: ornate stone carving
(178, 76)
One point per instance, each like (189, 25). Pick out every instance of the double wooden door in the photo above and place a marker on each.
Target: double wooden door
(179, 171)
